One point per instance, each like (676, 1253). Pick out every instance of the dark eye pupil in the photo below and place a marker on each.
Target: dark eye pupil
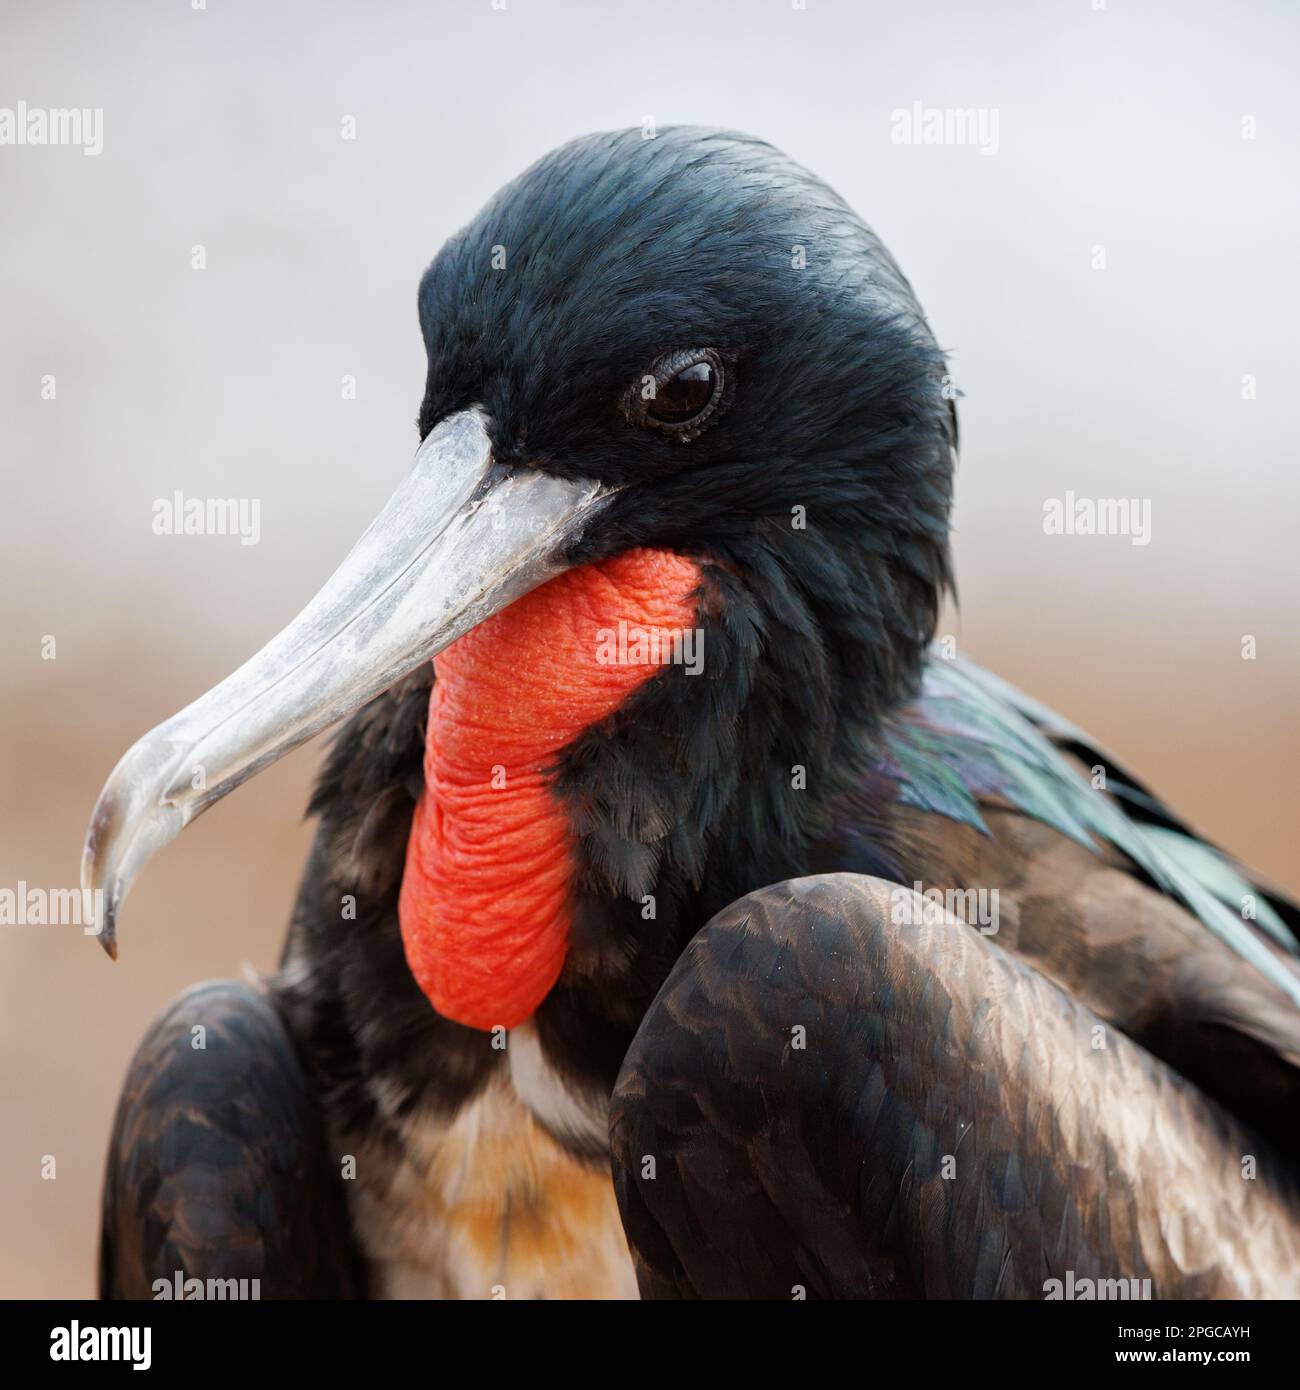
(683, 395)
(679, 394)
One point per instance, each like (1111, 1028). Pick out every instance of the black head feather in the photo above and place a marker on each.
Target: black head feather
(615, 249)
(816, 500)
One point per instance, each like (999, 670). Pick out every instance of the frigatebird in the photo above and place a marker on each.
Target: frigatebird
(617, 966)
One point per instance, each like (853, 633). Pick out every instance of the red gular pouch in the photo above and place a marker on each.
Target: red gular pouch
(485, 906)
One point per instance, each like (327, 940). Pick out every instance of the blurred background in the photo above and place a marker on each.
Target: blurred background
(1165, 134)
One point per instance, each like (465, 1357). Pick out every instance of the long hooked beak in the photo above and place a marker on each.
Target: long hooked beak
(461, 538)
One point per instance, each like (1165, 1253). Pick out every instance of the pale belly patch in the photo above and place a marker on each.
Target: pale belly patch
(488, 1205)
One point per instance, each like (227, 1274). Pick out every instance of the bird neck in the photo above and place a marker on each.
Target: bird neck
(486, 901)
(628, 748)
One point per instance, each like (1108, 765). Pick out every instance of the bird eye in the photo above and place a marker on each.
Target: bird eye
(684, 395)
(679, 394)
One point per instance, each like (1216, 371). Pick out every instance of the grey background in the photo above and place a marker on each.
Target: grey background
(1119, 127)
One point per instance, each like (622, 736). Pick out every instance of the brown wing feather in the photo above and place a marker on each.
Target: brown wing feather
(746, 1164)
(218, 1166)
(1130, 954)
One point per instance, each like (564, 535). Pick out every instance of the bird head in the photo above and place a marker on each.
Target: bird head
(672, 383)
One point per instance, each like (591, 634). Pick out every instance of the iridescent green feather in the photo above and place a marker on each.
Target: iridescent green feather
(969, 736)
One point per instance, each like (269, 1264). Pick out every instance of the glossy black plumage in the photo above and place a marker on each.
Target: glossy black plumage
(821, 738)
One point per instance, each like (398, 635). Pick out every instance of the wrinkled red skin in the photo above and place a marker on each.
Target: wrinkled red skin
(484, 905)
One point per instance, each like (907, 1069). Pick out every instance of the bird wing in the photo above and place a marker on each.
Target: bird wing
(1105, 892)
(970, 738)
(218, 1166)
(822, 1102)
